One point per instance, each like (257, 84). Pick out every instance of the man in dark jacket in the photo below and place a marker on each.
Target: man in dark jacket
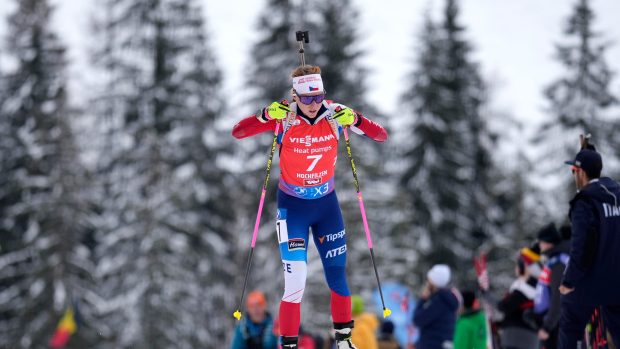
(592, 278)
(547, 301)
(435, 313)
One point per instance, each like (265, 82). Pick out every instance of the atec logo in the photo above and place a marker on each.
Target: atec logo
(336, 252)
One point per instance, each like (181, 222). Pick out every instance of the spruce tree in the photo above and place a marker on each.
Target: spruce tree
(166, 217)
(273, 55)
(418, 127)
(579, 102)
(44, 267)
(446, 195)
(335, 47)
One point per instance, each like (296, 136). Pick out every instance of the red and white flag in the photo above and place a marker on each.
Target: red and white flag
(481, 271)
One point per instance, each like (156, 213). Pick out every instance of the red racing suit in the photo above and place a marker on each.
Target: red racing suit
(308, 147)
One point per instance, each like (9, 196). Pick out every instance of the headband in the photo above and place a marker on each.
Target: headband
(308, 83)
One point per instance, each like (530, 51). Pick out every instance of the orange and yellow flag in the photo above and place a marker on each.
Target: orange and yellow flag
(66, 327)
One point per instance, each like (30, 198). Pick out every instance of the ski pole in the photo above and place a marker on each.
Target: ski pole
(237, 313)
(386, 311)
(301, 37)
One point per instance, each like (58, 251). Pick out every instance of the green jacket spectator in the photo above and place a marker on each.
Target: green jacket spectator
(471, 326)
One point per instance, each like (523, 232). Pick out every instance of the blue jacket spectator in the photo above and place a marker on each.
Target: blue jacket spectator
(436, 312)
(255, 331)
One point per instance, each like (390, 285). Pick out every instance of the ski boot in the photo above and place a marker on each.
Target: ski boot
(289, 342)
(343, 335)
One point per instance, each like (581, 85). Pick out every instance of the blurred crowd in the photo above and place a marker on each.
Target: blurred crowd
(527, 317)
(566, 291)
(259, 331)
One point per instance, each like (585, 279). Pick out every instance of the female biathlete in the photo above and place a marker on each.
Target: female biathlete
(311, 127)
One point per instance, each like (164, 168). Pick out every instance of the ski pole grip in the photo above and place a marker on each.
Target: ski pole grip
(302, 36)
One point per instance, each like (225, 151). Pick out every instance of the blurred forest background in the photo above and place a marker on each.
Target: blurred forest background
(135, 207)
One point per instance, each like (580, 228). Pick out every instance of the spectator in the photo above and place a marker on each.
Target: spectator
(532, 260)
(516, 333)
(435, 313)
(471, 327)
(386, 336)
(592, 278)
(256, 330)
(366, 324)
(547, 300)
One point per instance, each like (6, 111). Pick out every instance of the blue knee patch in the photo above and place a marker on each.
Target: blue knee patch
(337, 280)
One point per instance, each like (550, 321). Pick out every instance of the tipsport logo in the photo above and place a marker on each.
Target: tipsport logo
(332, 237)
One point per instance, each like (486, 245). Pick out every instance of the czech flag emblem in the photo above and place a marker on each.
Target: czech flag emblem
(313, 88)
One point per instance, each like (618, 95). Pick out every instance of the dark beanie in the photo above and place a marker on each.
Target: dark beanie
(387, 327)
(549, 234)
(469, 297)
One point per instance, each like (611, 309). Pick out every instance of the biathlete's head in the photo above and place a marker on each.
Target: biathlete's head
(308, 90)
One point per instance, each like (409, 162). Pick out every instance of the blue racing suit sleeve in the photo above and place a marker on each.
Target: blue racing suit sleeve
(582, 219)
(238, 342)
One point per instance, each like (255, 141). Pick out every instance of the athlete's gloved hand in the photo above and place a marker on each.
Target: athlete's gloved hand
(277, 110)
(345, 116)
